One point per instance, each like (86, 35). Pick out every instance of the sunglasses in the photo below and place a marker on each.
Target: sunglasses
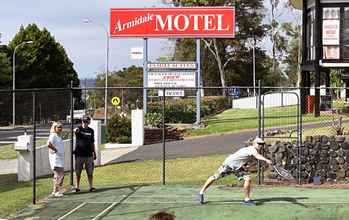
(59, 127)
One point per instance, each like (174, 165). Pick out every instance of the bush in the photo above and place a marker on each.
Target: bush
(153, 120)
(119, 129)
(184, 110)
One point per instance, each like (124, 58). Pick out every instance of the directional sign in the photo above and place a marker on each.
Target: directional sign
(115, 100)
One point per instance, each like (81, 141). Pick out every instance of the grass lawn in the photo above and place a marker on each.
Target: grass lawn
(8, 151)
(184, 178)
(189, 171)
(234, 120)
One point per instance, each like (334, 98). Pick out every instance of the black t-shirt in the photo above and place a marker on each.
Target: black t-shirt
(84, 142)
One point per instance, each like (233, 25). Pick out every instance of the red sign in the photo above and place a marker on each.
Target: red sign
(173, 22)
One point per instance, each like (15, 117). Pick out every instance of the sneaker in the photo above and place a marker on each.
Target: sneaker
(93, 189)
(58, 194)
(249, 203)
(201, 198)
(76, 190)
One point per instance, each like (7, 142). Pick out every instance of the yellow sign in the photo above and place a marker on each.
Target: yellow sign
(115, 100)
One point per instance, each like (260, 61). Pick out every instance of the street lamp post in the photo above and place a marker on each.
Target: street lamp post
(88, 21)
(14, 81)
(254, 65)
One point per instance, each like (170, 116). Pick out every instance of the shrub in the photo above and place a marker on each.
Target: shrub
(153, 119)
(119, 129)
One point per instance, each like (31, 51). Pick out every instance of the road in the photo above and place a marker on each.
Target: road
(198, 146)
(9, 135)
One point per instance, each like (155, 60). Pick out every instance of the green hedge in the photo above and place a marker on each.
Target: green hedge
(184, 110)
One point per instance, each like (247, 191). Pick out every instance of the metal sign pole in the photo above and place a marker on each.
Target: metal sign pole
(145, 73)
(71, 134)
(163, 139)
(259, 129)
(198, 94)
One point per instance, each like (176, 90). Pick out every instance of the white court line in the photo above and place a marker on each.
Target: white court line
(220, 202)
(105, 211)
(72, 211)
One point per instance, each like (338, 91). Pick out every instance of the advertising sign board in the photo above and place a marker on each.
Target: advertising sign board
(174, 22)
(177, 79)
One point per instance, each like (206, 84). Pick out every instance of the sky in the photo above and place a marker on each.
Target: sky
(85, 44)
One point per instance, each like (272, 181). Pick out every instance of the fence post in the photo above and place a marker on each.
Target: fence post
(71, 134)
(163, 139)
(259, 129)
(299, 118)
(198, 79)
(34, 149)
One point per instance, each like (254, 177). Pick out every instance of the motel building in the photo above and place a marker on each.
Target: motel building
(325, 44)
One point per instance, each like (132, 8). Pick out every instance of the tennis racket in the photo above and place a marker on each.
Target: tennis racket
(283, 172)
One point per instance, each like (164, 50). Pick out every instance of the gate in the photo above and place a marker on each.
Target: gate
(281, 120)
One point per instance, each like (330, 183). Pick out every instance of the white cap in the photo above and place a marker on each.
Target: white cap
(259, 140)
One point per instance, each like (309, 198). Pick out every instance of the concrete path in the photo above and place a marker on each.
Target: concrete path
(192, 147)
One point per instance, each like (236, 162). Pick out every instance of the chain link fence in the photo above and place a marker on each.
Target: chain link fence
(282, 116)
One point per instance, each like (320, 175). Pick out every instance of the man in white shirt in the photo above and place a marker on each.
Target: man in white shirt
(235, 164)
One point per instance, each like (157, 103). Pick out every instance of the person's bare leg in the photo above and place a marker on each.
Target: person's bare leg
(78, 177)
(90, 180)
(247, 188)
(207, 184)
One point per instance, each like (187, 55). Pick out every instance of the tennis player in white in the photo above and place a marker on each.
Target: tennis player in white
(236, 164)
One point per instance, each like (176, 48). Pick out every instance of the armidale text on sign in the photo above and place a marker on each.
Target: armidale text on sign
(173, 79)
(172, 66)
(173, 22)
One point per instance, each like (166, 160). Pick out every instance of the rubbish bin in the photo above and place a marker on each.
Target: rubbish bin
(310, 103)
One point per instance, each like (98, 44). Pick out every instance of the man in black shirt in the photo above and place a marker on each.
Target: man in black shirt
(84, 152)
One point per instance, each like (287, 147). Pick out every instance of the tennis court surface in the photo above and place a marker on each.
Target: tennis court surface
(222, 202)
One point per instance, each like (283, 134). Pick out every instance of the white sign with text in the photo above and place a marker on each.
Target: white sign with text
(174, 79)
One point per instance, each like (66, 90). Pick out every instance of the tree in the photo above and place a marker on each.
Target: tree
(127, 77)
(292, 37)
(224, 52)
(43, 64)
(5, 71)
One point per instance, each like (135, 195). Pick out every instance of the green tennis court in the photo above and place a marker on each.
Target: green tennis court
(139, 202)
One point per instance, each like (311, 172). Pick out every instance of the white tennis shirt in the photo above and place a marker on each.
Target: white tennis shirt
(56, 159)
(240, 157)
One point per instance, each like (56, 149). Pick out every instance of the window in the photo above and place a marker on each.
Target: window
(330, 33)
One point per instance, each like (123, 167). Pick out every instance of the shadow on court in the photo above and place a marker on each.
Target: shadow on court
(282, 199)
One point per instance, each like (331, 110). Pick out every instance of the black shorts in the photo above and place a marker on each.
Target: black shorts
(84, 162)
(226, 170)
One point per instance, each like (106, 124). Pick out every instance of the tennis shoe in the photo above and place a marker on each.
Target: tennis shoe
(201, 198)
(58, 195)
(93, 189)
(249, 203)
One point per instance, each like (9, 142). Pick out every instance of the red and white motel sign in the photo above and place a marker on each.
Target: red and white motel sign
(173, 22)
